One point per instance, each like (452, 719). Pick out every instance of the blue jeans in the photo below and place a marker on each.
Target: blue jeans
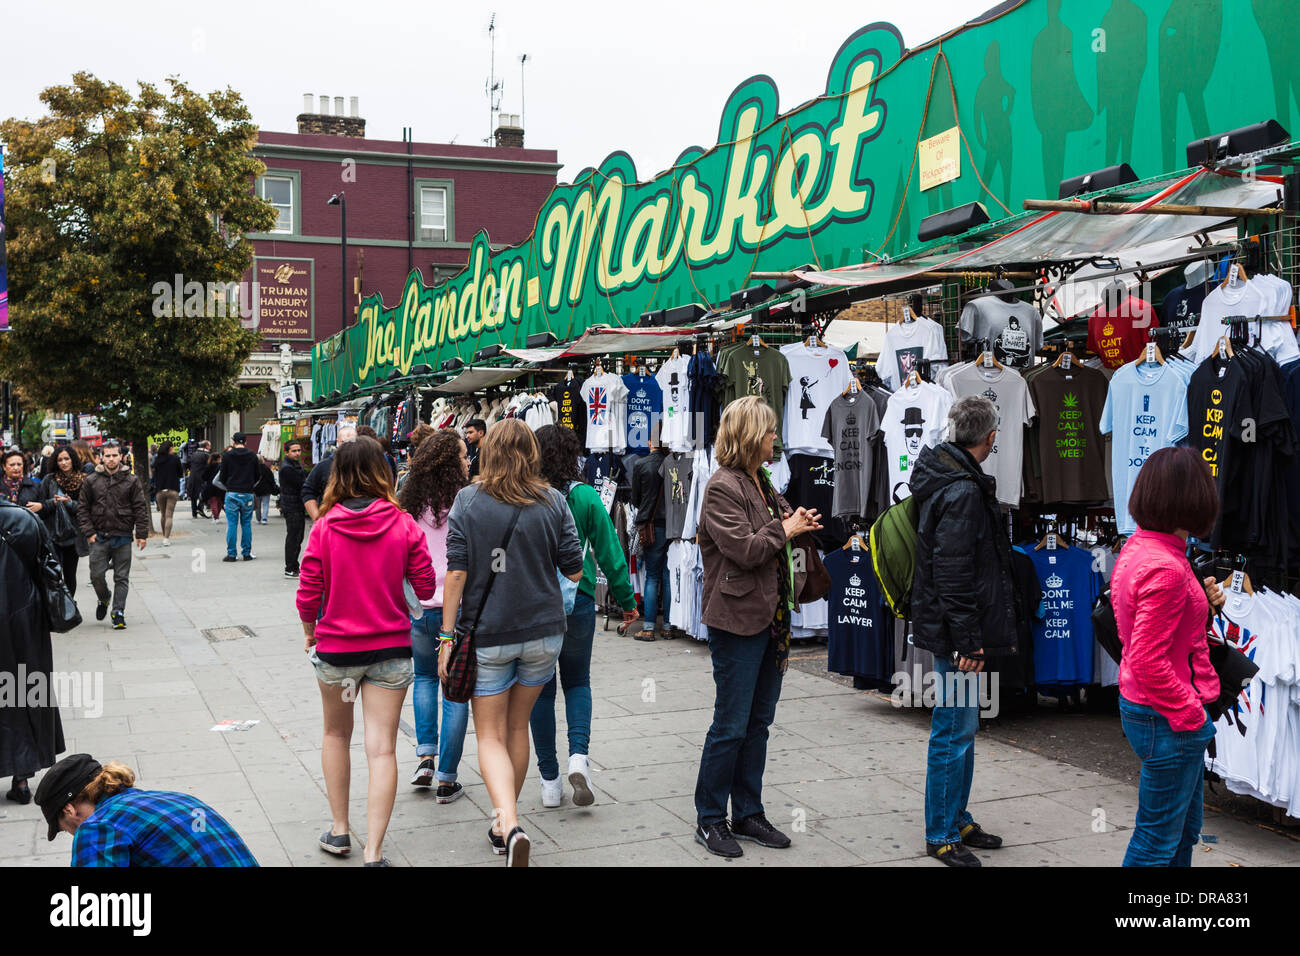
(950, 764)
(1170, 790)
(263, 507)
(239, 512)
(455, 717)
(656, 578)
(748, 684)
(575, 675)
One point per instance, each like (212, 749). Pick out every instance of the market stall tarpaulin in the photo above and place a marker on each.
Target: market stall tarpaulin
(603, 340)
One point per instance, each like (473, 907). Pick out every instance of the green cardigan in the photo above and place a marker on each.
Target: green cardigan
(596, 528)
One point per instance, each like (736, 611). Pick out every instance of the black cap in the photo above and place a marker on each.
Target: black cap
(238, 438)
(62, 783)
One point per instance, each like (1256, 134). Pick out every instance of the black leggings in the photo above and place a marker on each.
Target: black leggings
(68, 558)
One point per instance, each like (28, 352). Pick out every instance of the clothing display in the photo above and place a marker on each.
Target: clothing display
(860, 629)
(645, 403)
(915, 417)
(747, 369)
(1181, 308)
(1006, 388)
(704, 383)
(812, 485)
(674, 387)
(1260, 295)
(851, 423)
(1014, 330)
(1063, 639)
(676, 474)
(907, 345)
(818, 374)
(1117, 331)
(605, 397)
(570, 409)
(1072, 460)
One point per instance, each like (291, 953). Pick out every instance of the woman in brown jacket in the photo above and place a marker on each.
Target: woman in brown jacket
(749, 589)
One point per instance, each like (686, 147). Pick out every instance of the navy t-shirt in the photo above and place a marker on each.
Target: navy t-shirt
(860, 626)
(645, 403)
(1063, 641)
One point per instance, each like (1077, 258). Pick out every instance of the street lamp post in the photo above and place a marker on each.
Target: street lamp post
(340, 200)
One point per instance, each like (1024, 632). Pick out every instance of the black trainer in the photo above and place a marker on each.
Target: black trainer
(717, 839)
(230, 557)
(449, 792)
(758, 830)
(290, 574)
(339, 844)
(952, 854)
(973, 835)
(101, 611)
(382, 861)
(119, 621)
(518, 845)
(423, 776)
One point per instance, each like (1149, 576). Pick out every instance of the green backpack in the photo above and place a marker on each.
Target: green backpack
(893, 553)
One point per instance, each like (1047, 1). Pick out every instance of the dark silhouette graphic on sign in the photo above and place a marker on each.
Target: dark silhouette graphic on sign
(1277, 23)
(1120, 66)
(1060, 107)
(994, 99)
(1188, 47)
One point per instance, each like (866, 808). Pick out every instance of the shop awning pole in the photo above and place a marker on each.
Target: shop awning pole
(1097, 207)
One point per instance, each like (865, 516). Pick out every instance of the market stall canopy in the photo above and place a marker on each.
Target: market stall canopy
(602, 340)
(476, 379)
(1060, 236)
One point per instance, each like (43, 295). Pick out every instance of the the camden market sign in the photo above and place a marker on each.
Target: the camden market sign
(1041, 91)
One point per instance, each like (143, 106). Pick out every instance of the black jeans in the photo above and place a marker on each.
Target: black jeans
(294, 522)
(735, 751)
(68, 558)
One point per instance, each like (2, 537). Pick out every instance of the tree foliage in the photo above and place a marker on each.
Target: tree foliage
(106, 196)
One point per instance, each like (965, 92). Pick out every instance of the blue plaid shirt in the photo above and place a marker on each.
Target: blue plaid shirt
(157, 828)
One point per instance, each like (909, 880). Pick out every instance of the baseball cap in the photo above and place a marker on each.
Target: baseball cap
(62, 783)
(238, 438)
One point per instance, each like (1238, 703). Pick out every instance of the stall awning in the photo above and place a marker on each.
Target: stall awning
(602, 340)
(475, 379)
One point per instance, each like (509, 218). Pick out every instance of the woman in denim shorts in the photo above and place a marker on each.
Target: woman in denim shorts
(352, 604)
(519, 630)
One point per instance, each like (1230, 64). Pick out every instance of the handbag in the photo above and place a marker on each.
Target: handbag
(462, 667)
(60, 609)
(1104, 626)
(62, 530)
(817, 580)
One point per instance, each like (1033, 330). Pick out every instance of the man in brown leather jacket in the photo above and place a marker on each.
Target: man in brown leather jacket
(113, 504)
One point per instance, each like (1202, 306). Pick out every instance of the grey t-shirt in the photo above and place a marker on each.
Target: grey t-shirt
(1014, 329)
(851, 422)
(525, 603)
(676, 473)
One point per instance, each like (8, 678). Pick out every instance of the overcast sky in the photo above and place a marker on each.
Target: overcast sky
(647, 78)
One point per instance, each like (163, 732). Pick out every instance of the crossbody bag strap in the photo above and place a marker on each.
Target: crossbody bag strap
(505, 544)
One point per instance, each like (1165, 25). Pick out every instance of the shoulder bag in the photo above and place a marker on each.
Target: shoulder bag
(60, 609)
(462, 669)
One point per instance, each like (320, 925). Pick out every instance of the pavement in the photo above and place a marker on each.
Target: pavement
(845, 771)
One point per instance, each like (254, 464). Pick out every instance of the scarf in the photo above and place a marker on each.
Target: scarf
(69, 482)
(12, 486)
(785, 582)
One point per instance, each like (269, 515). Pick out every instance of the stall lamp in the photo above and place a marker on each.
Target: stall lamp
(395, 373)
(651, 319)
(952, 222)
(487, 352)
(540, 340)
(335, 395)
(684, 314)
(1107, 178)
(451, 364)
(754, 294)
(1247, 139)
(421, 370)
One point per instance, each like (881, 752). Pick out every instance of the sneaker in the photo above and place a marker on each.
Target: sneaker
(167, 542)
(450, 792)
(338, 844)
(756, 829)
(382, 861)
(250, 556)
(101, 611)
(230, 557)
(498, 843)
(553, 792)
(517, 847)
(580, 781)
(717, 839)
(973, 835)
(423, 776)
(290, 574)
(952, 854)
(119, 620)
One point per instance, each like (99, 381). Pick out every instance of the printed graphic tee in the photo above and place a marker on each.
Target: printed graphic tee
(860, 629)
(1118, 335)
(812, 485)
(1063, 641)
(907, 344)
(567, 396)
(915, 418)
(676, 474)
(645, 402)
(1014, 329)
(605, 397)
(1006, 388)
(759, 371)
(1069, 406)
(817, 377)
(674, 426)
(1145, 410)
(1181, 308)
(851, 422)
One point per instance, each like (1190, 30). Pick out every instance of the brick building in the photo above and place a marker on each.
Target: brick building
(408, 205)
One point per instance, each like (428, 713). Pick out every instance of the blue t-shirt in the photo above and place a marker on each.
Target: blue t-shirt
(645, 403)
(1145, 410)
(1063, 640)
(860, 631)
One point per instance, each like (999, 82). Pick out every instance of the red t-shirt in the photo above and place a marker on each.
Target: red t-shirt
(1118, 336)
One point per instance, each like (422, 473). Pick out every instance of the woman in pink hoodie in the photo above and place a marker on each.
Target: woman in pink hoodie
(353, 609)
(1165, 676)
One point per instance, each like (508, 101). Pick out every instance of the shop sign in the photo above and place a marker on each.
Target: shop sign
(939, 158)
(177, 436)
(283, 305)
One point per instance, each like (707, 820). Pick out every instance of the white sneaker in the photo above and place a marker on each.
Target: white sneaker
(552, 792)
(580, 781)
(167, 542)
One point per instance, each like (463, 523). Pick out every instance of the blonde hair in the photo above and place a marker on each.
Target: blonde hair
(109, 782)
(509, 464)
(744, 425)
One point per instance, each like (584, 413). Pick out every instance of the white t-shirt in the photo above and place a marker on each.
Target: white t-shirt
(1007, 390)
(674, 424)
(915, 418)
(906, 345)
(817, 377)
(1258, 296)
(1247, 623)
(606, 398)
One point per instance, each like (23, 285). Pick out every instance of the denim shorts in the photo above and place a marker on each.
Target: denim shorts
(531, 664)
(396, 673)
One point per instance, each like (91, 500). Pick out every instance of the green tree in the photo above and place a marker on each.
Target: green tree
(106, 198)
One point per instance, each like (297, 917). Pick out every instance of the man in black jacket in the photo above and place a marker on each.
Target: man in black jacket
(292, 476)
(111, 506)
(238, 475)
(194, 484)
(963, 601)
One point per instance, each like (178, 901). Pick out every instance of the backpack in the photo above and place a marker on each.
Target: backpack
(893, 553)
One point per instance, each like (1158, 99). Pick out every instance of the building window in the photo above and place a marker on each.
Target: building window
(433, 213)
(278, 190)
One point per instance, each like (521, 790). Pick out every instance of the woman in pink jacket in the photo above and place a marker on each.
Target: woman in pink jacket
(1165, 676)
(353, 609)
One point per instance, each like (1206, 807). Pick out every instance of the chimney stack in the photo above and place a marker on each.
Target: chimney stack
(509, 132)
(337, 123)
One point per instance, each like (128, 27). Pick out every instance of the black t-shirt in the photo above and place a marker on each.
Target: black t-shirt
(812, 485)
(1181, 308)
(567, 396)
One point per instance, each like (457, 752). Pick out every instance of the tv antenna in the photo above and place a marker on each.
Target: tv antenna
(494, 86)
(523, 58)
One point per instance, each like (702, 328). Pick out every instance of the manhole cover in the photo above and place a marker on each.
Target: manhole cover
(215, 634)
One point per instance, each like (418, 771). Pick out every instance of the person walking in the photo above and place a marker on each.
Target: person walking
(18, 487)
(313, 489)
(651, 525)
(475, 431)
(85, 455)
(512, 524)
(963, 600)
(112, 504)
(1165, 675)
(167, 481)
(31, 736)
(439, 469)
(214, 496)
(238, 474)
(559, 448)
(113, 823)
(197, 481)
(359, 638)
(62, 489)
(749, 592)
(292, 476)
(263, 491)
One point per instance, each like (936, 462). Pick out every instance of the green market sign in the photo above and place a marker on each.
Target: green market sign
(1060, 89)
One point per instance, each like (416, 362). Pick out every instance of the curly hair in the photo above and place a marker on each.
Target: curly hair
(435, 476)
(560, 449)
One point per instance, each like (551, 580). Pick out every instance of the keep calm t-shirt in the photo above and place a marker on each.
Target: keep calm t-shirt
(1073, 461)
(817, 377)
(1007, 390)
(851, 422)
(567, 396)
(1118, 335)
(645, 402)
(915, 418)
(1063, 640)
(1145, 410)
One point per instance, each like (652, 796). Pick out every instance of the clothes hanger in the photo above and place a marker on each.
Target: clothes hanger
(914, 379)
(988, 360)
(1235, 271)
(1065, 360)
(853, 386)
(1050, 540)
